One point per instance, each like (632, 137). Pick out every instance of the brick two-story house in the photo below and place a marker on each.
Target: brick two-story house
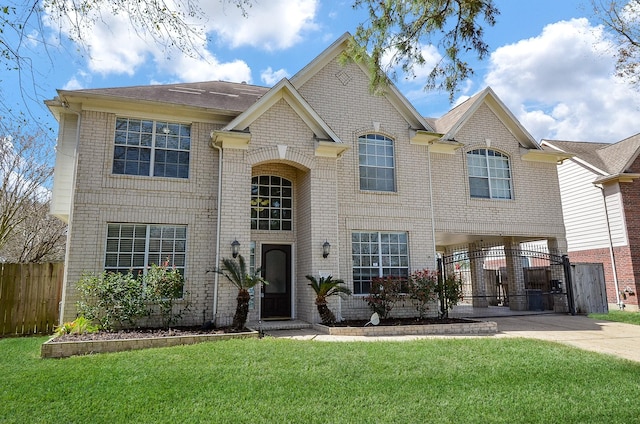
(182, 171)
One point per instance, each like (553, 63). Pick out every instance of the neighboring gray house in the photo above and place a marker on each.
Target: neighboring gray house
(181, 171)
(600, 188)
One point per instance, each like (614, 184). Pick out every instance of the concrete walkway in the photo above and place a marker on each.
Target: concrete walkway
(619, 339)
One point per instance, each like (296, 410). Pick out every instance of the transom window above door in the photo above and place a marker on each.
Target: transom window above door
(489, 174)
(271, 203)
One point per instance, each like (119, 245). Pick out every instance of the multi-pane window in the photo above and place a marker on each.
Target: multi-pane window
(489, 174)
(378, 254)
(135, 247)
(151, 148)
(271, 203)
(377, 163)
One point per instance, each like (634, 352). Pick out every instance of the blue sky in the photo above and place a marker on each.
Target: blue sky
(550, 62)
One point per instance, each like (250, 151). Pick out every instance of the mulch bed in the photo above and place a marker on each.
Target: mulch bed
(141, 333)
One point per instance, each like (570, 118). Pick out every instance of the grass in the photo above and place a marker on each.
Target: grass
(619, 316)
(476, 380)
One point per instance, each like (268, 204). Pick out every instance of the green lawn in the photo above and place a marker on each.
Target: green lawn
(619, 316)
(477, 380)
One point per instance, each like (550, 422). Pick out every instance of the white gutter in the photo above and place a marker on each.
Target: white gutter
(216, 275)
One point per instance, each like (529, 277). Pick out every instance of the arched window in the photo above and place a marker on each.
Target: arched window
(377, 163)
(489, 174)
(271, 203)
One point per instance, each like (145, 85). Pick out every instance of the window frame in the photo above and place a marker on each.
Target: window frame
(141, 148)
(371, 148)
(143, 252)
(269, 203)
(384, 250)
(485, 162)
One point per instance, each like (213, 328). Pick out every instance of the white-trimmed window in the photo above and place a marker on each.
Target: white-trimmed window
(378, 254)
(377, 163)
(489, 174)
(135, 247)
(271, 203)
(155, 149)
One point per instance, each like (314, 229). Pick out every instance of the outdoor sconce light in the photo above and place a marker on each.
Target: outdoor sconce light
(326, 249)
(235, 248)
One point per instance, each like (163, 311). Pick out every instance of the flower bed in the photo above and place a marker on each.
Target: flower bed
(63, 349)
(461, 327)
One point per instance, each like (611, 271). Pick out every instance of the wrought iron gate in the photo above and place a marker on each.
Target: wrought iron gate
(520, 279)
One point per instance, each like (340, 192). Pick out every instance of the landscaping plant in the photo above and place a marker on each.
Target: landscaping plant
(163, 286)
(324, 288)
(236, 273)
(111, 299)
(422, 286)
(449, 291)
(80, 325)
(383, 295)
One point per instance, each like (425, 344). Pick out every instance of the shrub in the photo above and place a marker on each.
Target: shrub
(111, 299)
(449, 291)
(163, 286)
(383, 295)
(422, 288)
(324, 288)
(80, 325)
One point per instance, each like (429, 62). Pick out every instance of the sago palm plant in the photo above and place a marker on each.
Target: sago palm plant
(324, 288)
(236, 273)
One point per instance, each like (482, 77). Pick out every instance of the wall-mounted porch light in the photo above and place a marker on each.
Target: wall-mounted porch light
(326, 249)
(235, 248)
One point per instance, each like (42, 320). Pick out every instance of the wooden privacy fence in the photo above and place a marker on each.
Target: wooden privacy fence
(29, 298)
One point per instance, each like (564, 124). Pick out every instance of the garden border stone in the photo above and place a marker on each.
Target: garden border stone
(466, 328)
(51, 349)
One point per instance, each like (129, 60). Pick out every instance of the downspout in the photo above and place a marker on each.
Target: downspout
(216, 275)
(433, 219)
(611, 252)
(65, 106)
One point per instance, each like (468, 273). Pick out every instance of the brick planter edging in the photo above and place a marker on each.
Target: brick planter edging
(467, 328)
(51, 349)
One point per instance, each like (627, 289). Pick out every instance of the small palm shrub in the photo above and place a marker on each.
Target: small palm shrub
(236, 273)
(324, 288)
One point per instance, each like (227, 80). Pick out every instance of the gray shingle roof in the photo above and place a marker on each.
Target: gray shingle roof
(611, 158)
(220, 95)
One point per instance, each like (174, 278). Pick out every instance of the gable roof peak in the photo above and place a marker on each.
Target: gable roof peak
(451, 122)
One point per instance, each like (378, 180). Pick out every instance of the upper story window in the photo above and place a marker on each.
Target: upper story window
(151, 148)
(489, 174)
(377, 163)
(271, 203)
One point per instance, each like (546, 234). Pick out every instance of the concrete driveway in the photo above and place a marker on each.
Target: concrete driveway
(613, 338)
(622, 340)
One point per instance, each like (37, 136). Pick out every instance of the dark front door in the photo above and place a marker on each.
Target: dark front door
(276, 269)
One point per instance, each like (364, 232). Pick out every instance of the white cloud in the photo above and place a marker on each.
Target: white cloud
(560, 84)
(271, 77)
(115, 47)
(270, 25)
